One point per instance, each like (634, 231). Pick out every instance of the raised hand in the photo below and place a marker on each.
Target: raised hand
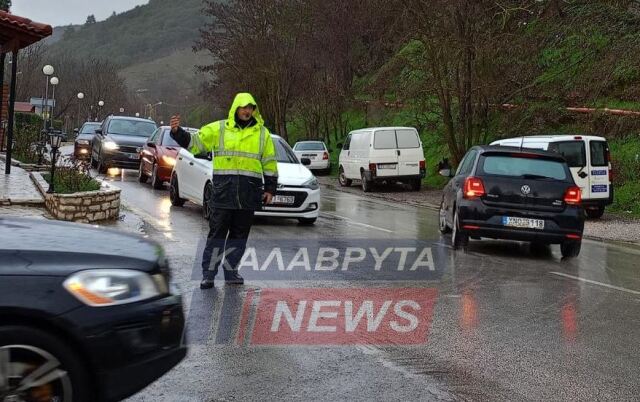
(175, 123)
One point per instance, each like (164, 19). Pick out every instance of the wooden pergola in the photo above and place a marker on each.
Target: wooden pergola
(15, 33)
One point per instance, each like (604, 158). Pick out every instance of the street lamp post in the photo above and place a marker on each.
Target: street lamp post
(100, 105)
(55, 137)
(80, 98)
(48, 72)
(54, 82)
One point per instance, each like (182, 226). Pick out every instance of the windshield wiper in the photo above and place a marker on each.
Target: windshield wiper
(536, 176)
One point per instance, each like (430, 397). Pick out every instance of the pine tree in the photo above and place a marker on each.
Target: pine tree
(5, 5)
(91, 20)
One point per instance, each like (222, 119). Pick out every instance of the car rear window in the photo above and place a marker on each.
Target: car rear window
(598, 151)
(573, 152)
(407, 139)
(309, 146)
(503, 165)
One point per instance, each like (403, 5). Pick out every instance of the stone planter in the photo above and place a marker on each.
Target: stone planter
(86, 207)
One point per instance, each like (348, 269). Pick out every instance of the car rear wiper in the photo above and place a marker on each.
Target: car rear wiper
(536, 176)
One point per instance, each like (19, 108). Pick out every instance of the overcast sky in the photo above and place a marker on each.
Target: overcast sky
(65, 12)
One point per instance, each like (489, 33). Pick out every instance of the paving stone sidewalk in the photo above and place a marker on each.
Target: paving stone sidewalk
(17, 188)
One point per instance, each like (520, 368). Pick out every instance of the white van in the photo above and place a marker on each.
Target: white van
(380, 154)
(589, 161)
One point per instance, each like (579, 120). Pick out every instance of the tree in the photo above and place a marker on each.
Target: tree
(90, 20)
(5, 5)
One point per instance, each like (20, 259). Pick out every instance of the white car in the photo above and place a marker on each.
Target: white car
(298, 194)
(317, 152)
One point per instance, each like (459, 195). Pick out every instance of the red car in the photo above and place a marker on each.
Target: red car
(158, 157)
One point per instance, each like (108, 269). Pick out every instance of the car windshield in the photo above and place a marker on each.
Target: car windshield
(309, 146)
(284, 153)
(521, 167)
(90, 128)
(137, 128)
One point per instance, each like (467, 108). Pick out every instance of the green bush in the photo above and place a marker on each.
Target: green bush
(26, 136)
(73, 178)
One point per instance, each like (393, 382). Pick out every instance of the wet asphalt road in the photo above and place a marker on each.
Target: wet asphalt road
(507, 323)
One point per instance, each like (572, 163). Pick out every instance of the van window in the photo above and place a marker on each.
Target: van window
(598, 151)
(360, 141)
(347, 143)
(385, 139)
(572, 151)
(407, 139)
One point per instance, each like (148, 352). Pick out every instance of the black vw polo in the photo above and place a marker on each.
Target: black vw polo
(509, 193)
(86, 314)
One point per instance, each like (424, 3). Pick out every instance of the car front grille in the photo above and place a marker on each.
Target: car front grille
(128, 149)
(300, 198)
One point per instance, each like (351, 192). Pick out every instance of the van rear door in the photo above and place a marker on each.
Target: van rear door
(385, 153)
(575, 154)
(409, 152)
(599, 185)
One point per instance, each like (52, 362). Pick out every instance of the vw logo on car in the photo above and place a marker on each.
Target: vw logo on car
(526, 190)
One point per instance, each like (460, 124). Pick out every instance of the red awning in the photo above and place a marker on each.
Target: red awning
(23, 107)
(19, 32)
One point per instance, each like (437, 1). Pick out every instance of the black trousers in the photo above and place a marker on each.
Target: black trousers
(228, 233)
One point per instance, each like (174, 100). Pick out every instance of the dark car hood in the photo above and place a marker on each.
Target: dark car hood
(43, 247)
(128, 139)
(85, 137)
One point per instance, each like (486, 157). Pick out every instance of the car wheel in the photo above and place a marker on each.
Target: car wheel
(366, 184)
(307, 221)
(102, 167)
(342, 179)
(444, 228)
(595, 213)
(174, 192)
(156, 182)
(570, 249)
(94, 163)
(39, 366)
(459, 239)
(142, 177)
(206, 199)
(416, 184)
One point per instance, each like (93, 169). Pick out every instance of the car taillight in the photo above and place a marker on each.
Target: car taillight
(473, 188)
(372, 168)
(325, 156)
(423, 165)
(573, 196)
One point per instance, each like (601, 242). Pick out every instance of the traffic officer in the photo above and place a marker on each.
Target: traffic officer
(243, 155)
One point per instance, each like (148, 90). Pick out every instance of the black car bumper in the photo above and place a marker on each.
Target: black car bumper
(131, 345)
(121, 160)
(479, 220)
(82, 152)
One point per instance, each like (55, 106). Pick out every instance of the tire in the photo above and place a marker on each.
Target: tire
(594, 213)
(155, 180)
(174, 192)
(142, 177)
(206, 197)
(416, 184)
(29, 349)
(307, 221)
(459, 239)
(342, 179)
(442, 224)
(570, 249)
(94, 163)
(366, 185)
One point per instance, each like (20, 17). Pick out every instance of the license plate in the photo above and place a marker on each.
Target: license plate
(387, 165)
(525, 223)
(284, 199)
(134, 156)
(312, 156)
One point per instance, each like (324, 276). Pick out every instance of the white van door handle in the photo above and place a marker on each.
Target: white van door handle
(348, 153)
(398, 151)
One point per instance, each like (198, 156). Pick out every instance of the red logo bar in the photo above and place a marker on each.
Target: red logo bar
(374, 316)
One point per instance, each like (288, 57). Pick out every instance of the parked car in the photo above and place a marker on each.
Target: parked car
(591, 170)
(508, 193)
(118, 142)
(317, 152)
(84, 140)
(158, 157)
(92, 323)
(382, 154)
(298, 194)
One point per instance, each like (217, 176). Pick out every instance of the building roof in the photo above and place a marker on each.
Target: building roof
(23, 107)
(21, 30)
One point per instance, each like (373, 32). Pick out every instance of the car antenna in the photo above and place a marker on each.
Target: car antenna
(521, 143)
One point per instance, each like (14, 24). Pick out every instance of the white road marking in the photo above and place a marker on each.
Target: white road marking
(606, 285)
(358, 223)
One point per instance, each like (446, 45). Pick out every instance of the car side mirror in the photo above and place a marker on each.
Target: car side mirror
(99, 131)
(76, 131)
(446, 172)
(305, 161)
(151, 144)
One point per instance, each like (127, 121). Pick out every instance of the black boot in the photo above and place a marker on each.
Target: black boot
(233, 278)
(206, 283)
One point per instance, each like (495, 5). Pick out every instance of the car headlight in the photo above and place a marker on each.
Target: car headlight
(82, 142)
(110, 145)
(110, 287)
(312, 184)
(169, 160)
